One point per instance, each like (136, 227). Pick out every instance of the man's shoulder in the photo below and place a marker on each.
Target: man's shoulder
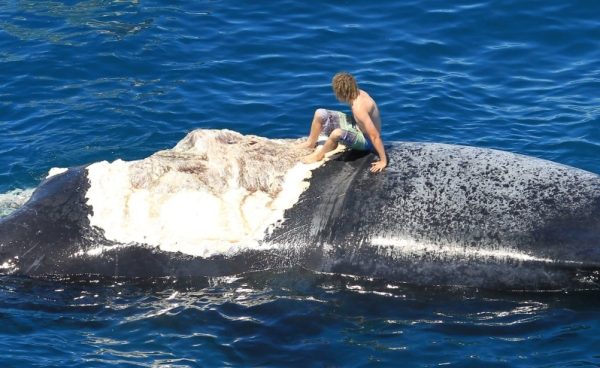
(363, 102)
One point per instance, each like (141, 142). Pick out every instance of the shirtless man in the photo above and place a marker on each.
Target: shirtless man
(361, 131)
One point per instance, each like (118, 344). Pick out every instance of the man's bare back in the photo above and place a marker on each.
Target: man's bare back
(364, 102)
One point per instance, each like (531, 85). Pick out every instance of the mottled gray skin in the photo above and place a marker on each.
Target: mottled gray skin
(510, 221)
(476, 200)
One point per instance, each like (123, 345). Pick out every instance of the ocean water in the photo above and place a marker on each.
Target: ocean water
(84, 81)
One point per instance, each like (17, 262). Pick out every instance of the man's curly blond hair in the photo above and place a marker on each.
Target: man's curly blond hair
(345, 87)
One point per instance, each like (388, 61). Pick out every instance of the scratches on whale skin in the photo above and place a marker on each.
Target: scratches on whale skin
(36, 264)
(286, 233)
(30, 249)
(332, 202)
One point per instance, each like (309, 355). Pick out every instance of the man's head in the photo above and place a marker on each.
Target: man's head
(345, 87)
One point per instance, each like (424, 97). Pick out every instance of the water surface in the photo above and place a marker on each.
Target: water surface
(84, 81)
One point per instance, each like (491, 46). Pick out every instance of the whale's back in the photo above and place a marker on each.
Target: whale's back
(469, 215)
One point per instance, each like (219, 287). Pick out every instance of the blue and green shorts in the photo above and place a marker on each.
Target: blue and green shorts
(352, 137)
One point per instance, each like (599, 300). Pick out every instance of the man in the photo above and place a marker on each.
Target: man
(361, 131)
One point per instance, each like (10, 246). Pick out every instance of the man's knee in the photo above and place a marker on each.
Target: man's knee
(336, 134)
(321, 114)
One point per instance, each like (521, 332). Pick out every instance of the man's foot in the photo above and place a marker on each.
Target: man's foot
(306, 144)
(313, 157)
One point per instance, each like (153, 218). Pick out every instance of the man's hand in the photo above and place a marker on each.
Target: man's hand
(378, 166)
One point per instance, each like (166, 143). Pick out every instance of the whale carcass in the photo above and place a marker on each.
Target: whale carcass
(221, 203)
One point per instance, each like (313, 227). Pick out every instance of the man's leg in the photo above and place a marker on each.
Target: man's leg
(315, 128)
(329, 146)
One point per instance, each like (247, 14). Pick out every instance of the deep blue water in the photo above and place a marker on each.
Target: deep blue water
(83, 81)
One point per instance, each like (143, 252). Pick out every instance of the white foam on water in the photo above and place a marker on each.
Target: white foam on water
(12, 200)
(215, 192)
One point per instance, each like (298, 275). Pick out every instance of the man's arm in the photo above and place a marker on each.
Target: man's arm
(371, 131)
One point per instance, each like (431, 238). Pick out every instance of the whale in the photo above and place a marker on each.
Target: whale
(221, 203)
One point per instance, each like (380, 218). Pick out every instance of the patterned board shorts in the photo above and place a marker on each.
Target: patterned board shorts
(352, 137)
